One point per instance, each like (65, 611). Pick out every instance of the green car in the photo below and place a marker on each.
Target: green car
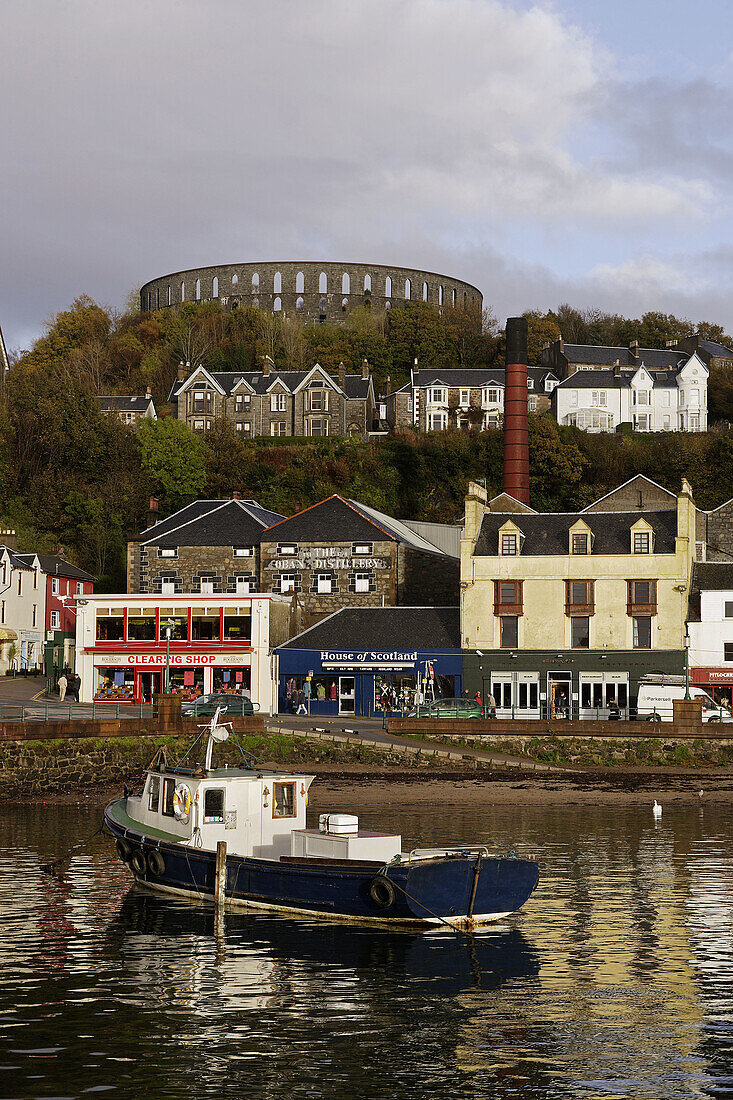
(205, 706)
(447, 708)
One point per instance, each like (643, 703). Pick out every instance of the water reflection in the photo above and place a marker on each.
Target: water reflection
(616, 979)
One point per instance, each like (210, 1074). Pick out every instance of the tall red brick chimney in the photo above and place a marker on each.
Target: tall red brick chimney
(516, 440)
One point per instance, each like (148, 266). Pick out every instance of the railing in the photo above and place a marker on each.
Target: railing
(543, 711)
(49, 710)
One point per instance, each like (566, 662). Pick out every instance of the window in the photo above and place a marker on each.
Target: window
(507, 597)
(278, 427)
(154, 793)
(437, 422)
(167, 587)
(324, 583)
(278, 402)
(243, 585)
(79, 588)
(317, 427)
(642, 632)
(580, 632)
(169, 789)
(141, 628)
(642, 397)
(237, 624)
(244, 426)
(641, 542)
(243, 551)
(287, 582)
(2, 614)
(580, 544)
(493, 397)
(579, 596)
(206, 586)
(214, 806)
(20, 584)
(35, 610)
(287, 548)
(198, 425)
(465, 397)
(205, 626)
(437, 397)
(642, 596)
(508, 631)
(168, 552)
(509, 545)
(110, 624)
(533, 404)
(283, 799)
(729, 609)
(361, 548)
(318, 400)
(665, 398)
(530, 383)
(361, 582)
(54, 585)
(728, 651)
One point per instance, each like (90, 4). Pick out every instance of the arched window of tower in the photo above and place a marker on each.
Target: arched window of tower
(277, 283)
(215, 287)
(388, 287)
(183, 291)
(344, 304)
(198, 290)
(235, 282)
(322, 283)
(255, 283)
(299, 305)
(277, 305)
(345, 283)
(408, 289)
(169, 294)
(453, 297)
(440, 295)
(425, 292)
(300, 283)
(367, 284)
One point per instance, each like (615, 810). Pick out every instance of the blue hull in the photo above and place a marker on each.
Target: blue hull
(445, 888)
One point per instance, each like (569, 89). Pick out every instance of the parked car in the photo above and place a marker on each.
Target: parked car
(447, 708)
(205, 705)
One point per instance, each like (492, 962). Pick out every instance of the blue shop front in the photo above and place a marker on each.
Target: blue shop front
(396, 664)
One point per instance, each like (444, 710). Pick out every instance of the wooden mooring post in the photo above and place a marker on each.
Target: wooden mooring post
(221, 873)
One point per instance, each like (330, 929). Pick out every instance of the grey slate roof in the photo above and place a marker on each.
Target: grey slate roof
(383, 628)
(712, 576)
(606, 379)
(653, 358)
(337, 518)
(125, 403)
(212, 523)
(719, 350)
(472, 378)
(58, 567)
(355, 386)
(548, 532)
(17, 561)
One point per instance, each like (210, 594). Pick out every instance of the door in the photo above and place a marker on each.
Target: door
(559, 694)
(501, 689)
(347, 694)
(148, 684)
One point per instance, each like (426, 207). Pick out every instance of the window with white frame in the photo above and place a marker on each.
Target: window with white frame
(533, 404)
(666, 423)
(79, 588)
(243, 551)
(530, 383)
(437, 396)
(243, 585)
(318, 400)
(360, 549)
(287, 549)
(550, 384)
(245, 427)
(278, 402)
(361, 582)
(465, 397)
(278, 427)
(207, 587)
(55, 620)
(598, 397)
(694, 398)
(665, 398)
(642, 422)
(509, 543)
(682, 397)
(317, 426)
(437, 422)
(492, 396)
(287, 582)
(324, 583)
(198, 425)
(694, 422)
(167, 587)
(54, 585)
(168, 552)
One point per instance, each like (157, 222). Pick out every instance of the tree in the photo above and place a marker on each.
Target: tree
(174, 458)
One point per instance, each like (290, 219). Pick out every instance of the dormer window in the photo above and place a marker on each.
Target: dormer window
(530, 383)
(580, 544)
(642, 542)
(278, 402)
(509, 545)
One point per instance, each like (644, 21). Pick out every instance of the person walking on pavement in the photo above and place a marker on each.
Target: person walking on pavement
(63, 684)
(490, 706)
(302, 708)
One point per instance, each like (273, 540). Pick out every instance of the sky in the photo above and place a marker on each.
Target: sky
(570, 151)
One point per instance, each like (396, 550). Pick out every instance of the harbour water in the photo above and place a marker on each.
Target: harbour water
(616, 980)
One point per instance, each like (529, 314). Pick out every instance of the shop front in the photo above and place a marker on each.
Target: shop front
(128, 647)
(717, 682)
(365, 683)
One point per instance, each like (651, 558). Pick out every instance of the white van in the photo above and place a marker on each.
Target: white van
(657, 693)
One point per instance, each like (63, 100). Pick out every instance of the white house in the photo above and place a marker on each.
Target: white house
(710, 628)
(651, 400)
(22, 607)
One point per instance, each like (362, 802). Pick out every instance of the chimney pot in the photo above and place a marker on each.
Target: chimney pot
(267, 364)
(365, 368)
(181, 373)
(342, 374)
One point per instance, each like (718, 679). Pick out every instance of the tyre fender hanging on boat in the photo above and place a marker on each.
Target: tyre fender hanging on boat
(156, 863)
(138, 862)
(124, 849)
(382, 892)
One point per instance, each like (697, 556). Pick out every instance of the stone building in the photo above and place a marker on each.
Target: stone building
(340, 553)
(129, 408)
(210, 546)
(277, 403)
(313, 291)
(436, 399)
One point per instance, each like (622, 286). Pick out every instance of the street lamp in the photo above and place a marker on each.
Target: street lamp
(170, 626)
(687, 664)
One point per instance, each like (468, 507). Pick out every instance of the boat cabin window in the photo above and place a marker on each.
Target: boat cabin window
(154, 793)
(214, 805)
(283, 800)
(169, 789)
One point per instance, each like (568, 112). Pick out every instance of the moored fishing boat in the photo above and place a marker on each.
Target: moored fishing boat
(238, 835)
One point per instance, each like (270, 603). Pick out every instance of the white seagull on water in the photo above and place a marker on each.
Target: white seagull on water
(656, 809)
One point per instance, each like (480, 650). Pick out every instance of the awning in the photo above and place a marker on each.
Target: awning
(7, 635)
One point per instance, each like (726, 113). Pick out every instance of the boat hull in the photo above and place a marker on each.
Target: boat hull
(458, 890)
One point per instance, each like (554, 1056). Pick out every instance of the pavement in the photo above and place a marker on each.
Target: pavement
(371, 729)
(24, 697)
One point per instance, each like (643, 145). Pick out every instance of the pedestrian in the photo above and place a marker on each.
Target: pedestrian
(73, 687)
(490, 706)
(477, 700)
(302, 708)
(63, 684)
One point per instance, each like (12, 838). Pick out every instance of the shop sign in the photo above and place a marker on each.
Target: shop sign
(369, 658)
(712, 675)
(326, 557)
(177, 660)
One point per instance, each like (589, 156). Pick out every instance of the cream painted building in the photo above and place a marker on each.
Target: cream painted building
(565, 611)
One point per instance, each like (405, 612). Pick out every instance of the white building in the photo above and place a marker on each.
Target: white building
(710, 629)
(22, 607)
(218, 643)
(651, 400)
